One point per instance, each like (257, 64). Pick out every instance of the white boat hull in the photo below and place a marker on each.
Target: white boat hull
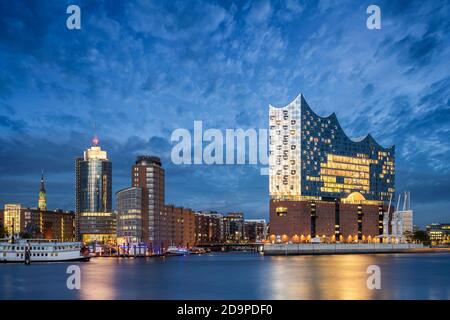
(41, 252)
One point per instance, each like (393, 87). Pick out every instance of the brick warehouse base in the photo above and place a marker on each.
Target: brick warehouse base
(300, 221)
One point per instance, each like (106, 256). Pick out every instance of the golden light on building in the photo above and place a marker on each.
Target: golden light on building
(12, 218)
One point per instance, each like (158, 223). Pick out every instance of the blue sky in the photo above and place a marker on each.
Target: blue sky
(140, 69)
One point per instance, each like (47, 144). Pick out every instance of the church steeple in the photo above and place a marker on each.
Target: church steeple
(42, 203)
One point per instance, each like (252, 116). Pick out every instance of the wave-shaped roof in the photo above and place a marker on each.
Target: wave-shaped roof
(300, 100)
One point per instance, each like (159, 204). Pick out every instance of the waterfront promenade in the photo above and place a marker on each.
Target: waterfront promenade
(339, 248)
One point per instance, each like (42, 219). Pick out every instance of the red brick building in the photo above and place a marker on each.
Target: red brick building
(299, 221)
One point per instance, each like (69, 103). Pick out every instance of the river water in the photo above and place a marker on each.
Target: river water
(235, 276)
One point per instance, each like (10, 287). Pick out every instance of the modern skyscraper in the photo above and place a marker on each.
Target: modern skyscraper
(147, 173)
(129, 214)
(95, 220)
(321, 182)
(42, 202)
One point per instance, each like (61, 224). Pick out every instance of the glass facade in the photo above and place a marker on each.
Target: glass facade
(311, 157)
(95, 186)
(95, 220)
(129, 214)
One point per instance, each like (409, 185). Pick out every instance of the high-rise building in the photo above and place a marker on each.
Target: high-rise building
(129, 214)
(94, 217)
(321, 182)
(42, 202)
(147, 173)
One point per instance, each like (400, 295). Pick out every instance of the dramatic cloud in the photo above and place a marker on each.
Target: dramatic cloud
(139, 69)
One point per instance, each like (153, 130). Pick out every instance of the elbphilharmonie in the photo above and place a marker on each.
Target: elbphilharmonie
(324, 185)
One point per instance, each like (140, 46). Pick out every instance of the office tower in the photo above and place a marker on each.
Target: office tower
(321, 182)
(147, 173)
(95, 220)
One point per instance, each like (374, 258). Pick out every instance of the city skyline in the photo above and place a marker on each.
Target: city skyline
(256, 54)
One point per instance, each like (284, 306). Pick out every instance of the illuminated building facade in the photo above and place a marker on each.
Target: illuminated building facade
(233, 224)
(178, 227)
(321, 182)
(129, 214)
(148, 174)
(94, 217)
(37, 223)
(208, 228)
(255, 230)
(439, 233)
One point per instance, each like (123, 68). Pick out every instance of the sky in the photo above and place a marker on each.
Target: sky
(137, 70)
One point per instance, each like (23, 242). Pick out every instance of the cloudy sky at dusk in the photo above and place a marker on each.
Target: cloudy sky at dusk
(140, 69)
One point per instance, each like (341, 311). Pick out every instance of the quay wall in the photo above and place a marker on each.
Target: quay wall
(338, 248)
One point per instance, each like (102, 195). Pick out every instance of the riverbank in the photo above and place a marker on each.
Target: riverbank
(344, 248)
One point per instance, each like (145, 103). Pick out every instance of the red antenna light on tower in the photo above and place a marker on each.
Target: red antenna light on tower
(95, 140)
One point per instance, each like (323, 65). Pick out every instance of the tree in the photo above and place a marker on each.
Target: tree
(2, 231)
(421, 236)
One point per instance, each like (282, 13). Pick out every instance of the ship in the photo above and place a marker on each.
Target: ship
(176, 251)
(39, 250)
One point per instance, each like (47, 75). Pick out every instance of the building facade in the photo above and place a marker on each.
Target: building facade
(233, 224)
(439, 233)
(18, 221)
(181, 226)
(129, 214)
(255, 230)
(147, 173)
(208, 228)
(95, 220)
(322, 184)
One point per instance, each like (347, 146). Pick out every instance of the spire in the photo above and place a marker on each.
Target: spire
(42, 202)
(42, 181)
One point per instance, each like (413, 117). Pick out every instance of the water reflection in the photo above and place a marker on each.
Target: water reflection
(99, 280)
(320, 277)
(235, 276)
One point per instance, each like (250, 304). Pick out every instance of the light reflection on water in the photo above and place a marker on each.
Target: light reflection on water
(321, 277)
(235, 276)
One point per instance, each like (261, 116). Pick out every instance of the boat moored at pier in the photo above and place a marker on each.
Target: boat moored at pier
(40, 250)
